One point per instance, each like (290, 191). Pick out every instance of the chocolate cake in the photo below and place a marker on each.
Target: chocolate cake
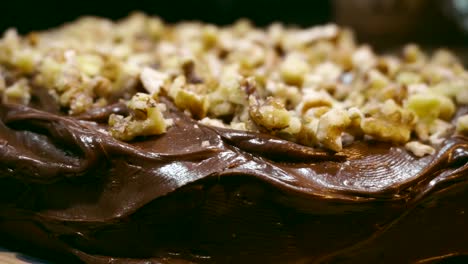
(141, 142)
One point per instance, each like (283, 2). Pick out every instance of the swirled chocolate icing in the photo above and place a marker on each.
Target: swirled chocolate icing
(70, 191)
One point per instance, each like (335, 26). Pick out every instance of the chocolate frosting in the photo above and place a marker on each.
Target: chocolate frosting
(68, 190)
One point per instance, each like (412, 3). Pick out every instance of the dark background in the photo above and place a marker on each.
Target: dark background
(380, 22)
(34, 15)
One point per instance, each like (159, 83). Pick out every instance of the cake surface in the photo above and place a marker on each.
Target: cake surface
(145, 162)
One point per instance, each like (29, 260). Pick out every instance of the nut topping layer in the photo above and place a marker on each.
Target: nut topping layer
(314, 86)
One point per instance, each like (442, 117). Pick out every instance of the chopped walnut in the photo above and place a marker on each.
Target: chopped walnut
(450, 88)
(90, 64)
(313, 99)
(356, 117)
(2, 83)
(212, 122)
(419, 149)
(444, 57)
(153, 80)
(146, 119)
(429, 106)
(331, 125)
(462, 96)
(18, 93)
(363, 58)
(388, 65)
(377, 80)
(462, 124)
(328, 72)
(295, 39)
(248, 54)
(270, 114)
(388, 122)
(412, 54)
(189, 97)
(408, 78)
(438, 131)
(25, 60)
(287, 93)
(229, 94)
(308, 133)
(293, 69)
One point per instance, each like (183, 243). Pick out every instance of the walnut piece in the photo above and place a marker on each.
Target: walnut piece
(146, 119)
(331, 125)
(388, 122)
(419, 149)
(462, 124)
(153, 80)
(18, 93)
(293, 69)
(270, 114)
